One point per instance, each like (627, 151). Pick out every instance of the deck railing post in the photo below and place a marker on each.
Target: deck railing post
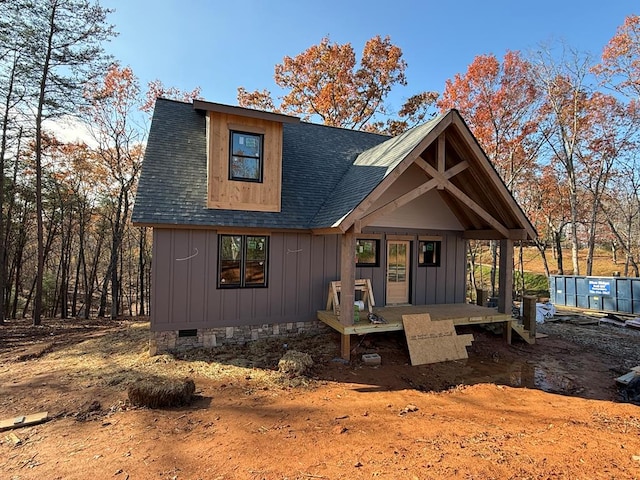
(529, 314)
(481, 297)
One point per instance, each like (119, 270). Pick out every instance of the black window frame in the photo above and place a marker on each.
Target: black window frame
(243, 262)
(259, 158)
(437, 249)
(376, 262)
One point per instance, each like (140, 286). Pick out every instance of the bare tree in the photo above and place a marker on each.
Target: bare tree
(564, 126)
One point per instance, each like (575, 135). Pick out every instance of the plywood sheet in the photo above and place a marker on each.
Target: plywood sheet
(433, 341)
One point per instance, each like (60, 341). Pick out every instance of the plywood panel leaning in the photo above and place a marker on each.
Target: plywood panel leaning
(433, 342)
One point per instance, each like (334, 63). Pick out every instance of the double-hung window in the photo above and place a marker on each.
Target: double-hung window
(245, 159)
(242, 261)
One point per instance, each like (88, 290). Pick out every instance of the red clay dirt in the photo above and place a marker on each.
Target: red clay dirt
(550, 410)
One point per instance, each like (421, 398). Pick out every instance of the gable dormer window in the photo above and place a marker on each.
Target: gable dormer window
(245, 159)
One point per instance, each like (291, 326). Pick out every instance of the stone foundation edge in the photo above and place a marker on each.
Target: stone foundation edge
(170, 340)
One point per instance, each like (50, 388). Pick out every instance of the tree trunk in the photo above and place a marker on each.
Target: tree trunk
(44, 76)
(3, 151)
(91, 281)
(557, 240)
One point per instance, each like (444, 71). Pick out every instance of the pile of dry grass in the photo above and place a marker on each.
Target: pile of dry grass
(295, 363)
(159, 393)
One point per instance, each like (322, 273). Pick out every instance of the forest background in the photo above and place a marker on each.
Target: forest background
(560, 126)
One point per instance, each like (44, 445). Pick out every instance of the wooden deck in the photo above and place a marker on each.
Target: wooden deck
(459, 313)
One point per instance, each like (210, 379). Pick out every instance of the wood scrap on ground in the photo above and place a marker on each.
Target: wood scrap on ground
(434, 341)
(611, 319)
(23, 420)
(13, 439)
(585, 320)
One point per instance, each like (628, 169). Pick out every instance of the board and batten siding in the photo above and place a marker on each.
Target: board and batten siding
(185, 294)
(428, 285)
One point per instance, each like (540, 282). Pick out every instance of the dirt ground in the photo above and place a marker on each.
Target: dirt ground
(546, 411)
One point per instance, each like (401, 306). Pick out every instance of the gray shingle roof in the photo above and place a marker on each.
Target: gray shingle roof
(367, 171)
(317, 160)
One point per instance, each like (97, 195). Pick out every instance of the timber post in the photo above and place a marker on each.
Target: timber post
(505, 300)
(481, 297)
(505, 283)
(529, 314)
(347, 287)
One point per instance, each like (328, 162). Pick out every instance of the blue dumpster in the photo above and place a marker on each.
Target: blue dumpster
(609, 294)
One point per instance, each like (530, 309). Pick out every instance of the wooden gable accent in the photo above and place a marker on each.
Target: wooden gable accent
(224, 193)
(450, 162)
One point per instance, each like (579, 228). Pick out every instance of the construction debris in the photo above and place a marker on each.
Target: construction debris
(371, 359)
(23, 420)
(634, 323)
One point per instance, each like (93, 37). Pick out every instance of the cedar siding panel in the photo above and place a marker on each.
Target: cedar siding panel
(229, 194)
(185, 294)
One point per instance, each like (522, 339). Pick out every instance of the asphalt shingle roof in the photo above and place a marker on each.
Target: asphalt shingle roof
(323, 173)
(367, 171)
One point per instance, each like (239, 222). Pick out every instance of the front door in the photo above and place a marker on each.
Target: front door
(397, 272)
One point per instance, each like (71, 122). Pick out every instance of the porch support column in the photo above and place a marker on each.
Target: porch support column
(505, 283)
(347, 287)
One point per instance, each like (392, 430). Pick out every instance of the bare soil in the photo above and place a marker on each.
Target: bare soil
(549, 410)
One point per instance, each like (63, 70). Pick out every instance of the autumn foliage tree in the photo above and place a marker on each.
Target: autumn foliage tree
(499, 101)
(327, 82)
(66, 39)
(610, 137)
(156, 89)
(620, 65)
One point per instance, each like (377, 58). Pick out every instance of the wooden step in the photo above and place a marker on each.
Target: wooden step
(525, 334)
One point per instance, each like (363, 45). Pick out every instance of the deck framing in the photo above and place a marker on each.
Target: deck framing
(458, 313)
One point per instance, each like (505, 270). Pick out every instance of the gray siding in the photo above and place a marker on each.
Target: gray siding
(429, 285)
(184, 284)
(301, 265)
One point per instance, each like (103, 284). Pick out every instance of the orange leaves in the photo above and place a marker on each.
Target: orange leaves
(320, 81)
(326, 81)
(620, 64)
(499, 101)
(156, 89)
(258, 99)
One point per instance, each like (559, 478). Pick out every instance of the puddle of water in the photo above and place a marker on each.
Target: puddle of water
(546, 376)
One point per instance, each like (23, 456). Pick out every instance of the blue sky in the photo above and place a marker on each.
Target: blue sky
(221, 45)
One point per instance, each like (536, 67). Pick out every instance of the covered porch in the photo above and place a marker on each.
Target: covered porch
(458, 313)
(432, 183)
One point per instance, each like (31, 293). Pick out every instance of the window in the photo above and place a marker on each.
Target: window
(367, 253)
(245, 160)
(242, 261)
(429, 253)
